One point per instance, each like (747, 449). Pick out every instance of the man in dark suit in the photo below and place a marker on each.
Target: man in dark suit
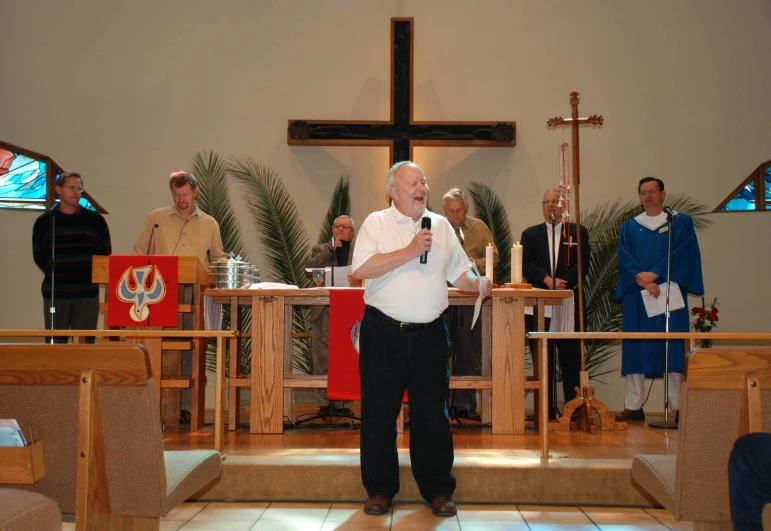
(537, 268)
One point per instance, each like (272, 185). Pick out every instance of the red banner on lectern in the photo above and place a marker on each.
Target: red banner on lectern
(346, 309)
(142, 290)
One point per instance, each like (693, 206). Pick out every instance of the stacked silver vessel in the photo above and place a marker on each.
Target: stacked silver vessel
(233, 273)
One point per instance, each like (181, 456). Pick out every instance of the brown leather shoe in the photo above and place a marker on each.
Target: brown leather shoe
(443, 506)
(377, 505)
(630, 414)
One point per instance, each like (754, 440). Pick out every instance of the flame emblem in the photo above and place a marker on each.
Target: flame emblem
(141, 297)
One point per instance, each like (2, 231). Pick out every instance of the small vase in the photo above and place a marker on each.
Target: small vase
(706, 343)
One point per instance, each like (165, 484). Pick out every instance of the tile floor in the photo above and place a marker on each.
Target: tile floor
(263, 516)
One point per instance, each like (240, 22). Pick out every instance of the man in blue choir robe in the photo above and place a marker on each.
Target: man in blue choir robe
(642, 263)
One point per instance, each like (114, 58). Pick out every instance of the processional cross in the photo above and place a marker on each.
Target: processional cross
(586, 393)
(400, 133)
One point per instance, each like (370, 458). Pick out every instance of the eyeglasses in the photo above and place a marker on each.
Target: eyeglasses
(74, 189)
(552, 202)
(341, 226)
(649, 192)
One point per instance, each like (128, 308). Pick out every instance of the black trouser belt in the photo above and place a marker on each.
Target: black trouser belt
(374, 312)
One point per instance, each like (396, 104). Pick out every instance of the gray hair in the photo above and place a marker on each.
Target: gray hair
(453, 194)
(553, 190)
(392, 174)
(349, 218)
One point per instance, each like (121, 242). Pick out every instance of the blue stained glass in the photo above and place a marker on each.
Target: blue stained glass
(768, 188)
(23, 182)
(744, 200)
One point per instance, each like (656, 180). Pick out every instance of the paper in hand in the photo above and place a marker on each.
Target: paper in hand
(478, 304)
(654, 307)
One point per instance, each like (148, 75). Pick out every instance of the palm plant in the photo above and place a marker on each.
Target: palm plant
(213, 199)
(286, 244)
(490, 209)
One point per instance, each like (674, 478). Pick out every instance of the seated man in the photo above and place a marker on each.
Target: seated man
(336, 252)
(749, 480)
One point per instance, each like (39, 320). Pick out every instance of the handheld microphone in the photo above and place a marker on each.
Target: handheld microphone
(425, 224)
(333, 243)
(669, 211)
(152, 233)
(553, 218)
(462, 237)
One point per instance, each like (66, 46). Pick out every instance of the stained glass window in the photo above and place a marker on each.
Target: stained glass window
(23, 182)
(753, 195)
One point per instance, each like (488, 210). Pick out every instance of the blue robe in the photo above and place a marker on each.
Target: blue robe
(641, 249)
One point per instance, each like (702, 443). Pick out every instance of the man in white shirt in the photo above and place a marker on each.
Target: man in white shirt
(404, 343)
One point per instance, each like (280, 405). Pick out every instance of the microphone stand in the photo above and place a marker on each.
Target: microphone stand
(552, 353)
(52, 309)
(332, 265)
(666, 424)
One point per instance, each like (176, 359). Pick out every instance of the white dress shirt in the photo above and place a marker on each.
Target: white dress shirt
(413, 292)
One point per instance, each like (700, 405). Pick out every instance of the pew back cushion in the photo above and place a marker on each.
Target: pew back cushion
(21, 510)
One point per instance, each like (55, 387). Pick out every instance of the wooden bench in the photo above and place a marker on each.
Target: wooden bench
(95, 410)
(720, 401)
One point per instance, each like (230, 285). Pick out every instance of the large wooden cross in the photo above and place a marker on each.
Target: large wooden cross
(400, 133)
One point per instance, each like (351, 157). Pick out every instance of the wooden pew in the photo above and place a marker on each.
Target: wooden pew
(726, 394)
(94, 409)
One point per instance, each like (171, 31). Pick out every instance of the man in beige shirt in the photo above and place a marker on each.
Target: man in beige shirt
(474, 236)
(181, 229)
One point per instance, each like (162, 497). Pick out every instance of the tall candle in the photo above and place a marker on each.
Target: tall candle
(516, 263)
(489, 262)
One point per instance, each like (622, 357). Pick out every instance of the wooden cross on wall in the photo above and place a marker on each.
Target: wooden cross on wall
(401, 133)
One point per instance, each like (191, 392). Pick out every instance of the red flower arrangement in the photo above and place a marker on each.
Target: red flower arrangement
(704, 318)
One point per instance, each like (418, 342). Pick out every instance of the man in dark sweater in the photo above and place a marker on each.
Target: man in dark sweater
(78, 235)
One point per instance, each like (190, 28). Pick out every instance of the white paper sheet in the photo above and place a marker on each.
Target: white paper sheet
(212, 314)
(341, 276)
(654, 307)
(272, 285)
(478, 304)
(563, 318)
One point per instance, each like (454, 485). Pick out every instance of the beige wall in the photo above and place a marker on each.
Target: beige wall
(126, 92)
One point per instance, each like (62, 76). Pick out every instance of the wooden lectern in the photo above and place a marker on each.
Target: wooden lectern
(166, 355)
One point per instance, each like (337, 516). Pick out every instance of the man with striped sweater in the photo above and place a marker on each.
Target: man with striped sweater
(78, 235)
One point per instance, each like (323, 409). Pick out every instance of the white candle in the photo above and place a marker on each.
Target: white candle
(489, 262)
(516, 263)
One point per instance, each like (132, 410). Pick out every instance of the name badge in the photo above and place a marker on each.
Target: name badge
(663, 229)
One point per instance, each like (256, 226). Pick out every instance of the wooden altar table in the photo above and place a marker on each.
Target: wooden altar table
(271, 380)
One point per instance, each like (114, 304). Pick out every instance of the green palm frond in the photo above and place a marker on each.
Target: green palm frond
(287, 247)
(286, 244)
(213, 198)
(339, 206)
(490, 209)
(697, 211)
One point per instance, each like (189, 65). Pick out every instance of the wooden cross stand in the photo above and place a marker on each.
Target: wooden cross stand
(400, 133)
(585, 398)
